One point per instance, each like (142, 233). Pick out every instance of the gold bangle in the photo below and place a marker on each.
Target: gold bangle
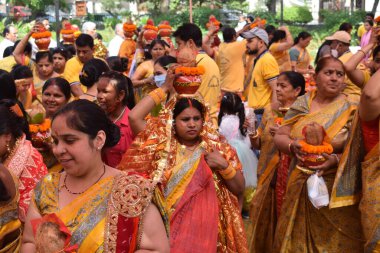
(228, 173)
(361, 50)
(254, 136)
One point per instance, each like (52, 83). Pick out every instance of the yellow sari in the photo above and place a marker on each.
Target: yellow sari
(92, 218)
(301, 227)
(186, 181)
(263, 206)
(10, 225)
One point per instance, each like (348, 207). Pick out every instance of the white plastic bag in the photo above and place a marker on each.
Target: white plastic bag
(317, 191)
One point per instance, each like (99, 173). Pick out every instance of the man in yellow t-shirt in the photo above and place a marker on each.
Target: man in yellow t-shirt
(341, 43)
(229, 58)
(85, 52)
(189, 35)
(261, 90)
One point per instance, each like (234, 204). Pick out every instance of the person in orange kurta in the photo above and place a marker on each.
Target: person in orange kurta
(128, 47)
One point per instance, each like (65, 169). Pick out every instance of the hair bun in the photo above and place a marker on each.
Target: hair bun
(113, 135)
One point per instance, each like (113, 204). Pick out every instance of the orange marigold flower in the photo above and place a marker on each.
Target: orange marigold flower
(311, 149)
(40, 128)
(40, 35)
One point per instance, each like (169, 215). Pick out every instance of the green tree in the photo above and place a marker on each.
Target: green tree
(37, 6)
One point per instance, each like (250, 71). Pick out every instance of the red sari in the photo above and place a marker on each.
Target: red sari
(26, 163)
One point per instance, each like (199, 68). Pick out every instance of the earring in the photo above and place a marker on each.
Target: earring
(8, 148)
(99, 148)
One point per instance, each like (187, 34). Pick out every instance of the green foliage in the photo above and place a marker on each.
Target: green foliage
(296, 15)
(200, 16)
(333, 19)
(269, 17)
(238, 5)
(37, 6)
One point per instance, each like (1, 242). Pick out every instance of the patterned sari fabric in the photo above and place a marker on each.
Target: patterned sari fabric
(193, 200)
(10, 225)
(102, 219)
(263, 207)
(301, 227)
(26, 163)
(370, 202)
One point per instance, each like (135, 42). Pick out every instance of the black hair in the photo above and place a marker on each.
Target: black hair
(62, 51)
(44, 54)
(98, 36)
(345, 27)
(27, 49)
(87, 117)
(277, 36)
(5, 31)
(91, 71)
(61, 83)
(228, 34)
(70, 50)
(116, 63)
(20, 72)
(296, 80)
(123, 83)
(270, 29)
(184, 103)
(10, 122)
(369, 21)
(251, 18)
(165, 61)
(188, 32)
(158, 41)
(324, 61)
(8, 51)
(302, 35)
(84, 40)
(376, 51)
(8, 86)
(232, 104)
(370, 14)
(4, 194)
(318, 56)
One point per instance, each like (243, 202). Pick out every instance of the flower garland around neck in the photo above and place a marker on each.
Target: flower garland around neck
(316, 149)
(190, 71)
(40, 128)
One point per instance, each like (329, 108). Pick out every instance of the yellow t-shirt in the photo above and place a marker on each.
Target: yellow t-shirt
(282, 57)
(72, 70)
(8, 62)
(230, 62)
(210, 86)
(259, 91)
(351, 88)
(361, 31)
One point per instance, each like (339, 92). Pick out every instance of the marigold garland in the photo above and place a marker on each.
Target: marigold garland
(255, 24)
(150, 27)
(190, 71)
(129, 27)
(63, 31)
(215, 23)
(41, 35)
(377, 19)
(317, 149)
(40, 128)
(164, 26)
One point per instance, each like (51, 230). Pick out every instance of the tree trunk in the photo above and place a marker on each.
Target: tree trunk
(374, 7)
(271, 5)
(164, 6)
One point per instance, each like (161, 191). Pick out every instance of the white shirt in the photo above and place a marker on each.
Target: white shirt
(114, 45)
(53, 44)
(3, 45)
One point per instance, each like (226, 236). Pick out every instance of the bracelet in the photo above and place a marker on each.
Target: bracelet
(290, 147)
(228, 173)
(255, 135)
(337, 158)
(361, 50)
(158, 95)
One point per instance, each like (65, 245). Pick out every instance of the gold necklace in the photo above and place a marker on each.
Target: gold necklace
(121, 114)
